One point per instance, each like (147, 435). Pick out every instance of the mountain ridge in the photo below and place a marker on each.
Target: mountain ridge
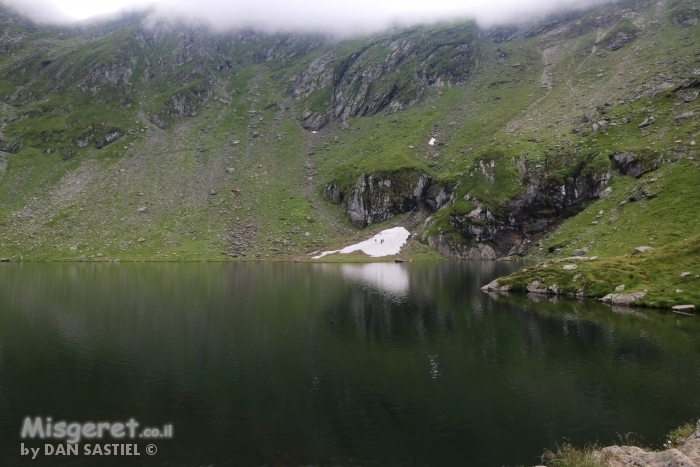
(147, 140)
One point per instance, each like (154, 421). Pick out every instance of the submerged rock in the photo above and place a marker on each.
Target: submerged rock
(684, 308)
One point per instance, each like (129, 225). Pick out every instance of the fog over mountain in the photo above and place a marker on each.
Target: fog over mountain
(359, 16)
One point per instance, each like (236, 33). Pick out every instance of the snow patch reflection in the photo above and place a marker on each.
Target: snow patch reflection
(389, 278)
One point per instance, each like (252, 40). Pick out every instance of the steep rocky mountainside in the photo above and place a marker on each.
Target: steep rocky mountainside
(145, 139)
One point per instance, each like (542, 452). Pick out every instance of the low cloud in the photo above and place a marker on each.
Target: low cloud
(343, 18)
(42, 11)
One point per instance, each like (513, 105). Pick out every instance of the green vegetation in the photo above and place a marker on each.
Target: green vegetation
(549, 103)
(679, 435)
(660, 272)
(567, 455)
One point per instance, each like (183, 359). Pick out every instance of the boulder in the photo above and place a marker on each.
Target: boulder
(605, 193)
(570, 267)
(627, 299)
(623, 299)
(580, 252)
(685, 116)
(628, 164)
(647, 121)
(690, 97)
(619, 40)
(685, 19)
(314, 121)
(684, 308)
(230, 170)
(685, 274)
(642, 249)
(629, 456)
(141, 210)
(495, 286)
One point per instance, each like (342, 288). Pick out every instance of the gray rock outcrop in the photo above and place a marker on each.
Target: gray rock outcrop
(685, 19)
(376, 198)
(621, 299)
(629, 163)
(685, 455)
(494, 286)
(619, 40)
(366, 81)
(540, 206)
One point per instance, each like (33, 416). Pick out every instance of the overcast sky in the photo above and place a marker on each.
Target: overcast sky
(309, 15)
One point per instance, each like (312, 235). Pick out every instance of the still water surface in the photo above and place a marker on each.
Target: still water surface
(332, 365)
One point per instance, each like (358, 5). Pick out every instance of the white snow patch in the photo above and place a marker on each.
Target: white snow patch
(393, 240)
(431, 142)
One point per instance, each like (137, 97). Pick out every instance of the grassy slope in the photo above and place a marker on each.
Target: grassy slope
(522, 106)
(613, 227)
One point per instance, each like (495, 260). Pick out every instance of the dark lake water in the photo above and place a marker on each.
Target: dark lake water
(331, 365)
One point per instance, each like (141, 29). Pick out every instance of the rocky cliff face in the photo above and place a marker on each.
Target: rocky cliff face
(376, 198)
(183, 104)
(542, 204)
(387, 75)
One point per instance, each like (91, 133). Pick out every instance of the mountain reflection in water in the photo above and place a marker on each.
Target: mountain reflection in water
(329, 364)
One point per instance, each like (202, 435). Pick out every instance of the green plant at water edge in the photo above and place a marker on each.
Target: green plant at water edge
(567, 455)
(679, 435)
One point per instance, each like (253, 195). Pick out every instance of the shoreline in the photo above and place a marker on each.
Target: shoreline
(552, 291)
(681, 449)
